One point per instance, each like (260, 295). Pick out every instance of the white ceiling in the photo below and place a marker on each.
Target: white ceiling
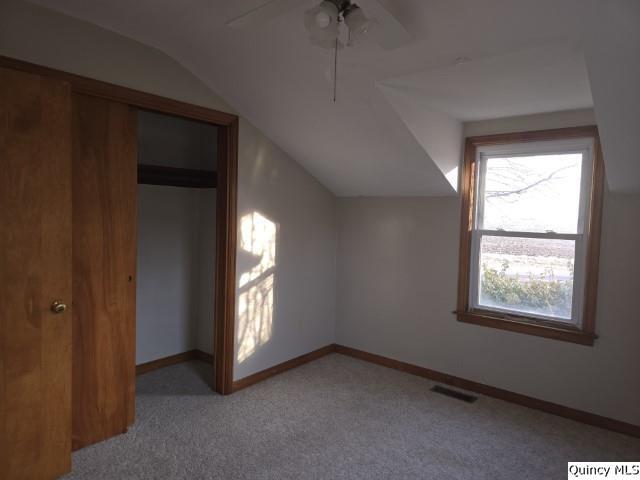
(544, 79)
(396, 127)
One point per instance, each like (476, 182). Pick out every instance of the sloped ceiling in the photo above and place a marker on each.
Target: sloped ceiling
(543, 79)
(396, 127)
(613, 60)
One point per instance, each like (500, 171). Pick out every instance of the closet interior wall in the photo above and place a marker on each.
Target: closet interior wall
(176, 240)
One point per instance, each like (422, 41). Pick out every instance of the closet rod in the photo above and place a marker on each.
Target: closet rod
(176, 177)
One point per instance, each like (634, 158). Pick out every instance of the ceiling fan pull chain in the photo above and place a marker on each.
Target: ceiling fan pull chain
(335, 71)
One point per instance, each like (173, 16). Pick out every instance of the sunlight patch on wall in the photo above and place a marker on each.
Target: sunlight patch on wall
(258, 238)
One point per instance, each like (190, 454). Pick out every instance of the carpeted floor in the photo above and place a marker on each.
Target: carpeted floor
(337, 418)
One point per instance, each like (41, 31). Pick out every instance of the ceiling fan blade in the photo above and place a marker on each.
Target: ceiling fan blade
(264, 12)
(389, 32)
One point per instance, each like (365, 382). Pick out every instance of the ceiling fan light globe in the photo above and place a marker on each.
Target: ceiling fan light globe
(357, 21)
(321, 16)
(330, 8)
(321, 23)
(323, 19)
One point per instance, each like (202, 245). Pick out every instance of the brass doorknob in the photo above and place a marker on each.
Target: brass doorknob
(58, 307)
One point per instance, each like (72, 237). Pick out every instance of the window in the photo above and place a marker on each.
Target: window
(531, 231)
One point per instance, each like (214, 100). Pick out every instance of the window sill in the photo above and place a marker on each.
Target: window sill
(529, 327)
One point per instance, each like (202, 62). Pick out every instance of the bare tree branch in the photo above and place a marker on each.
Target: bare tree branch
(518, 191)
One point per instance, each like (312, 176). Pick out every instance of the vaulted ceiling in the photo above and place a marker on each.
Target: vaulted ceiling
(396, 127)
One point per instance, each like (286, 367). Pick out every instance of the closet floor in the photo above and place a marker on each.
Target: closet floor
(337, 417)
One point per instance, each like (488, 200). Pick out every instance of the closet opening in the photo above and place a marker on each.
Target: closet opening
(176, 243)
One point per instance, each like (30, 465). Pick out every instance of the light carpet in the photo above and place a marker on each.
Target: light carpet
(337, 418)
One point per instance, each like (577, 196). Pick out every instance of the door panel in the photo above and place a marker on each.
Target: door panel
(104, 262)
(35, 270)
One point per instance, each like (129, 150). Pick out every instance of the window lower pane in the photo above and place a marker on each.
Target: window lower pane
(527, 275)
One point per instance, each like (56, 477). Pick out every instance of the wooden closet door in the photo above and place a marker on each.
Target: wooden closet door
(35, 271)
(104, 263)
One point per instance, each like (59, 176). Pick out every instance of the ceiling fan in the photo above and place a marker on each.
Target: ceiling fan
(323, 22)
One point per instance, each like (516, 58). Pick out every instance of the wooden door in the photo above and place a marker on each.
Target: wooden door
(35, 271)
(104, 263)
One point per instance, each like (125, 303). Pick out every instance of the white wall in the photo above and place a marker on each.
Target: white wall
(167, 291)
(175, 271)
(612, 54)
(294, 215)
(176, 241)
(538, 121)
(397, 282)
(176, 142)
(270, 182)
(205, 269)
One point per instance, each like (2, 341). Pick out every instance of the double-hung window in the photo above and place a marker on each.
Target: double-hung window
(530, 232)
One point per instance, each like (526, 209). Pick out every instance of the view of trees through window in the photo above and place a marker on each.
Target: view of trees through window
(527, 203)
(527, 275)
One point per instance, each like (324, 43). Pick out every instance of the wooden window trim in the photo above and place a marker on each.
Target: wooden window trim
(586, 334)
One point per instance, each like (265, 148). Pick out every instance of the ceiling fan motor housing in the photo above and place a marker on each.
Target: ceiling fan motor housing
(341, 5)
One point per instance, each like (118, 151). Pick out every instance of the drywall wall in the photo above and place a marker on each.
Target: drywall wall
(205, 269)
(612, 52)
(397, 281)
(270, 183)
(286, 258)
(539, 121)
(176, 142)
(176, 241)
(169, 272)
(397, 285)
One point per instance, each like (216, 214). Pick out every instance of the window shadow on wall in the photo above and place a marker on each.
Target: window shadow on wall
(257, 257)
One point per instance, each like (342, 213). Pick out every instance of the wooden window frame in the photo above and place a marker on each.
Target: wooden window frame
(585, 334)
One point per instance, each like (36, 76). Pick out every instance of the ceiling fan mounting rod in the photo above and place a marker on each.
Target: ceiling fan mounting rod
(341, 5)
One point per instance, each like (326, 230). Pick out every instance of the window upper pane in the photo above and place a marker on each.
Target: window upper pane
(533, 193)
